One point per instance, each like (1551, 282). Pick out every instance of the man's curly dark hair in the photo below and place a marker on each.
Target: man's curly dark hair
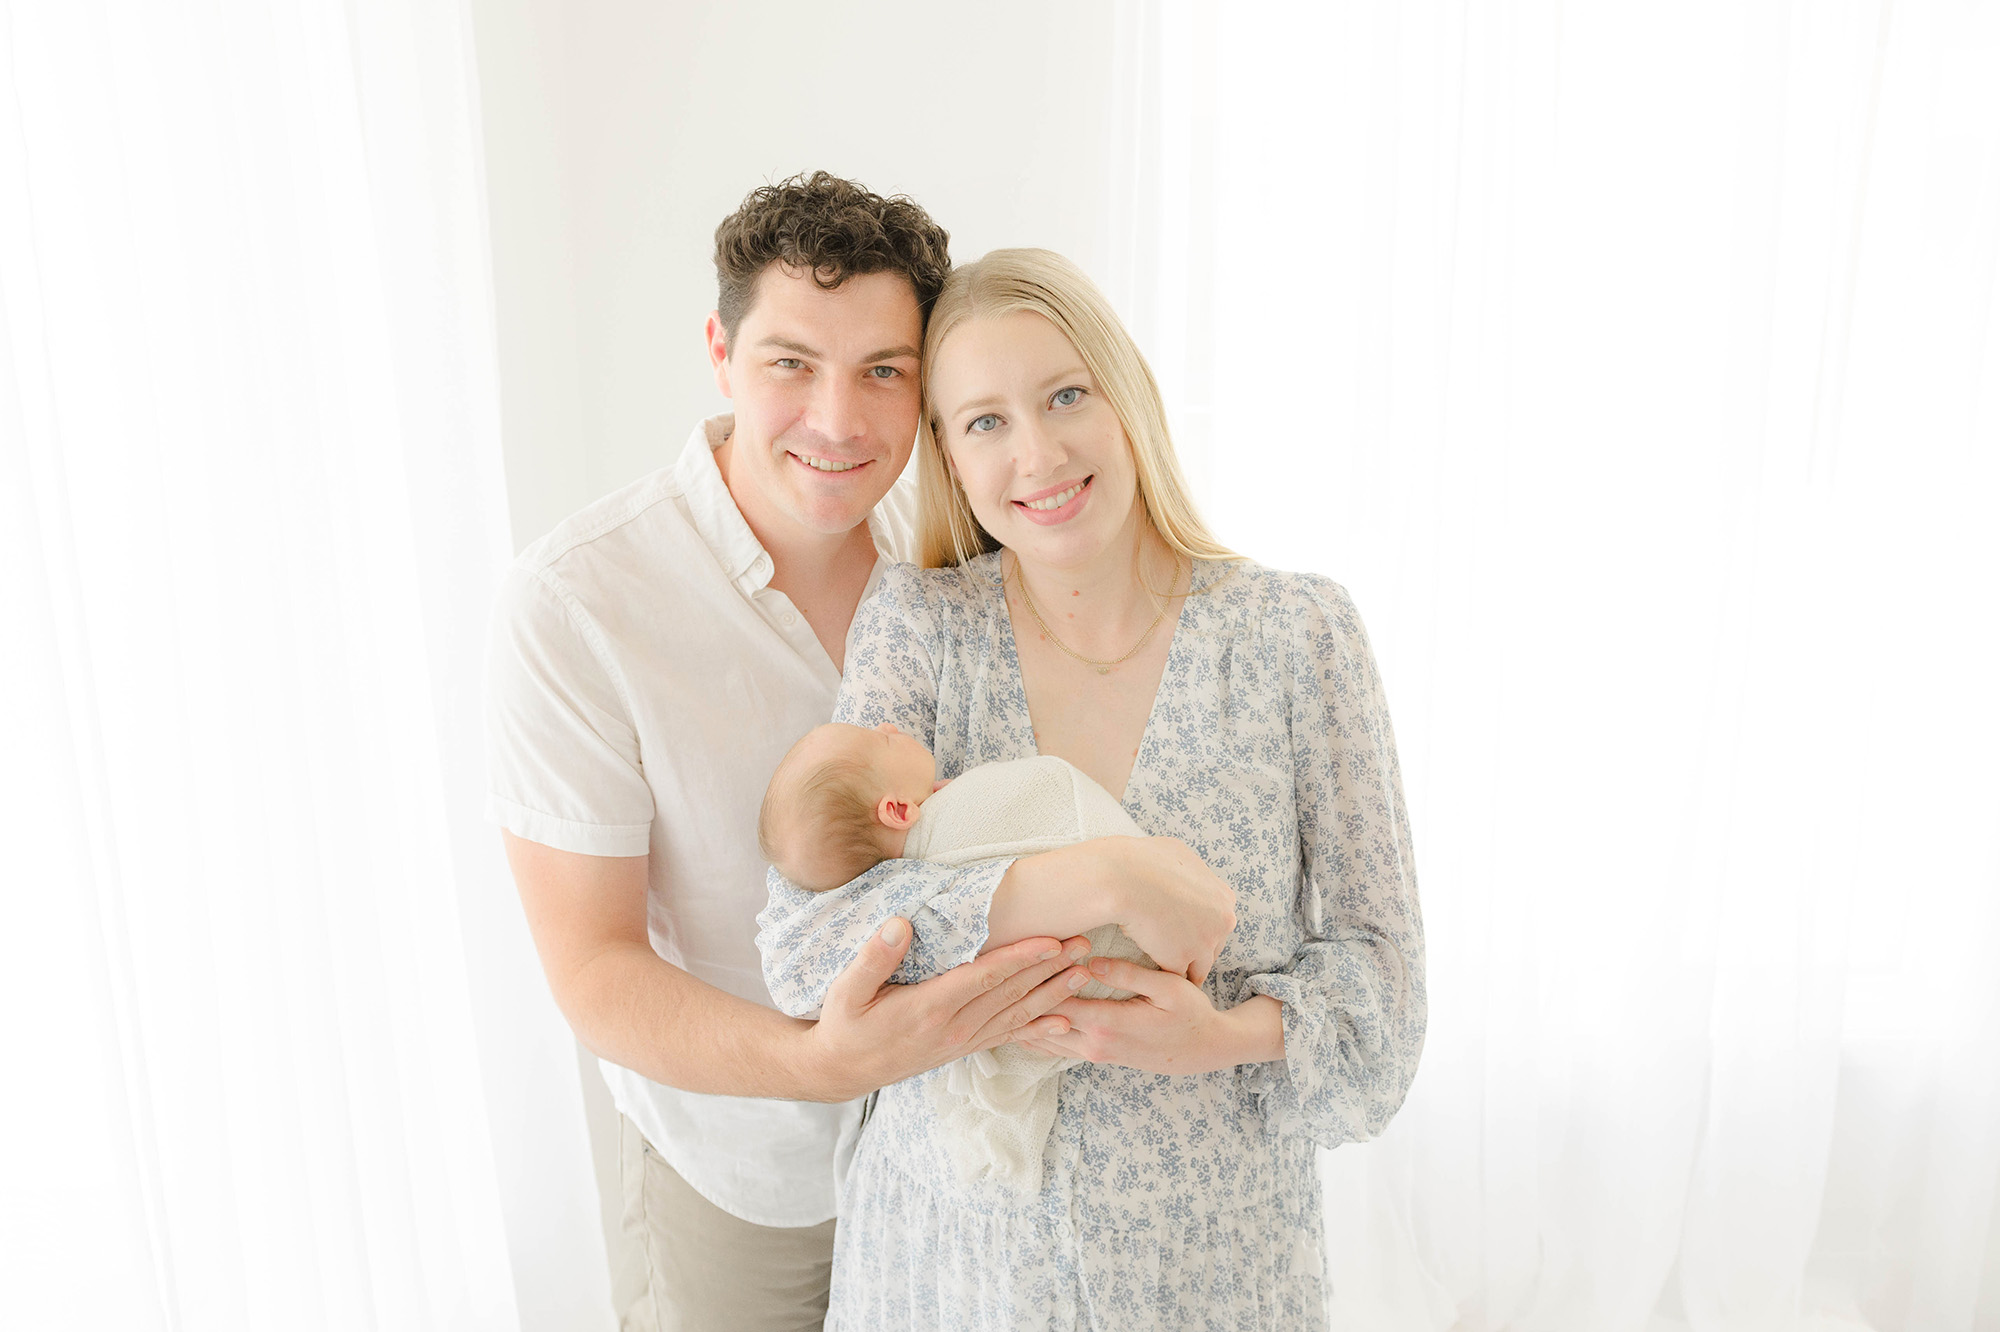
(831, 228)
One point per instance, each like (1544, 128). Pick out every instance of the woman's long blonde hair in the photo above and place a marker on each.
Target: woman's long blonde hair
(1045, 283)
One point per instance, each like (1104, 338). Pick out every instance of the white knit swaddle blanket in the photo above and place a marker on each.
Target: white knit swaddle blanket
(996, 1107)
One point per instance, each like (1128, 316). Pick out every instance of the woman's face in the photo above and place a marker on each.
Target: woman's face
(1043, 458)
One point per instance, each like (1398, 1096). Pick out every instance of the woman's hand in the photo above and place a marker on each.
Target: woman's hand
(1169, 1026)
(1170, 903)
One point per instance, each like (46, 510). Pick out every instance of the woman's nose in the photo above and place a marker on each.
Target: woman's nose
(1037, 451)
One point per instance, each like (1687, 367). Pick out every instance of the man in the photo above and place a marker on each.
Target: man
(653, 658)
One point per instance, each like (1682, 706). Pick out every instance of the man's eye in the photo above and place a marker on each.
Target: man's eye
(789, 363)
(884, 371)
(980, 425)
(1067, 397)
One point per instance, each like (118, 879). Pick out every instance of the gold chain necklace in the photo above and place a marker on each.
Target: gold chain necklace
(1101, 667)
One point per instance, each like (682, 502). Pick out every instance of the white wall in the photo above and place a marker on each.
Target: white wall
(619, 133)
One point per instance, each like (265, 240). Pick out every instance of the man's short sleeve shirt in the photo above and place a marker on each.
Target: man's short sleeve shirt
(645, 680)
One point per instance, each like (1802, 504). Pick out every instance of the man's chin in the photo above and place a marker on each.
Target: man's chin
(829, 518)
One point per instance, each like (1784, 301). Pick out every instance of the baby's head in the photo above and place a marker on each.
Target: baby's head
(842, 801)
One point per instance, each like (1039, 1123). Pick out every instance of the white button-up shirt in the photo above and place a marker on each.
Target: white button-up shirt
(645, 680)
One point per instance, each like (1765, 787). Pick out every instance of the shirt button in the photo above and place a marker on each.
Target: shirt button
(791, 618)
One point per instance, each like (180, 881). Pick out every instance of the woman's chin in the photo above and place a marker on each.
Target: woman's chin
(1057, 548)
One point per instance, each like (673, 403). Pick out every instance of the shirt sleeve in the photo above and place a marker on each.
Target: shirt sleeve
(1353, 995)
(563, 765)
(806, 938)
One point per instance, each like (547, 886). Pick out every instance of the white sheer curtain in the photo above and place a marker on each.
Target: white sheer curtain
(276, 1052)
(1638, 369)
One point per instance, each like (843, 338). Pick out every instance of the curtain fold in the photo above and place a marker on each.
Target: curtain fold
(1637, 372)
(279, 1054)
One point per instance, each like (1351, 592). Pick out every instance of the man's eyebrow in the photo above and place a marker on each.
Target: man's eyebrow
(872, 358)
(786, 344)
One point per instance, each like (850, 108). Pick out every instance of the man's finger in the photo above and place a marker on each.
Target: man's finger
(969, 996)
(1035, 997)
(871, 968)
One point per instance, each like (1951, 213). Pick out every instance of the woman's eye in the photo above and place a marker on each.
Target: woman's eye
(884, 371)
(980, 425)
(1067, 397)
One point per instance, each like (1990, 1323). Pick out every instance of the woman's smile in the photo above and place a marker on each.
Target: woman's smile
(1057, 504)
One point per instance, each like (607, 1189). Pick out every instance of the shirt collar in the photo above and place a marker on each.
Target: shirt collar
(721, 524)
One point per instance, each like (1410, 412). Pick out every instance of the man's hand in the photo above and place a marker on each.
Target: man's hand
(871, 1033)
(1168, 1026)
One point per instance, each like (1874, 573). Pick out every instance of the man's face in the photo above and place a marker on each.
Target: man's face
(825, 389)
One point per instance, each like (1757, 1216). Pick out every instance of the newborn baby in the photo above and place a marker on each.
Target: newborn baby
(847, 798)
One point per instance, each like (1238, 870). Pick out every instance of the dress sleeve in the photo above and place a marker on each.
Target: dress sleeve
(1353, 995)
(806, 938)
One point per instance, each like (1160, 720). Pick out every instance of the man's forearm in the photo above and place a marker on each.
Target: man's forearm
(634, 1008)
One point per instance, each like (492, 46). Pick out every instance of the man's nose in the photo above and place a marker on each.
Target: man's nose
(835, 412)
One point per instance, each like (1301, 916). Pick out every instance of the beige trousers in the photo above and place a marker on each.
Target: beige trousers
(708, 1271)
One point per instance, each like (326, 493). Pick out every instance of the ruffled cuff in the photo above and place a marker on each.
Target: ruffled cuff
(1342, 1077)
(950, 925)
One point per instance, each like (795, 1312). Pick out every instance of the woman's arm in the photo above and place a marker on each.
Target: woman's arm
(1156, 889)
(1353, 996)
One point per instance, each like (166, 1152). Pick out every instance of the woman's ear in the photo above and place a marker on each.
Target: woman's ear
(894, 813)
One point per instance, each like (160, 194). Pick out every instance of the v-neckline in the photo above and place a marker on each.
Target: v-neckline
(1027, 717)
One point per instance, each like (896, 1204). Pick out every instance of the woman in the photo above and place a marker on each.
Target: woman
(1073, 604)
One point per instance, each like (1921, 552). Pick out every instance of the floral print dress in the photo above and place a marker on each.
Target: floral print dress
(1167, 1202)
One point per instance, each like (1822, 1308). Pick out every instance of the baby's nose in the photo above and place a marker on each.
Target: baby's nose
(888, 728)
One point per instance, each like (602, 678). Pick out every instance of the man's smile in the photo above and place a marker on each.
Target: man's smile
(819, 464)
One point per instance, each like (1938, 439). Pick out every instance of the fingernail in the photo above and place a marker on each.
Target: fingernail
(1076, 980)
(1099, 967)
(1051, 953)
(892, 933)
(1079, 952)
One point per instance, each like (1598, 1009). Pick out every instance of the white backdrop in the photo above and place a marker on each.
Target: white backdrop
(277, 1051)
(1637, 371)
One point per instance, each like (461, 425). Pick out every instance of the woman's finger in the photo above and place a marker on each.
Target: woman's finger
(1158, 986)
(1068, 1045)
(1041, 1047)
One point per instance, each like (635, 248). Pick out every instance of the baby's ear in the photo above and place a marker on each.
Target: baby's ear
(894, 813)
